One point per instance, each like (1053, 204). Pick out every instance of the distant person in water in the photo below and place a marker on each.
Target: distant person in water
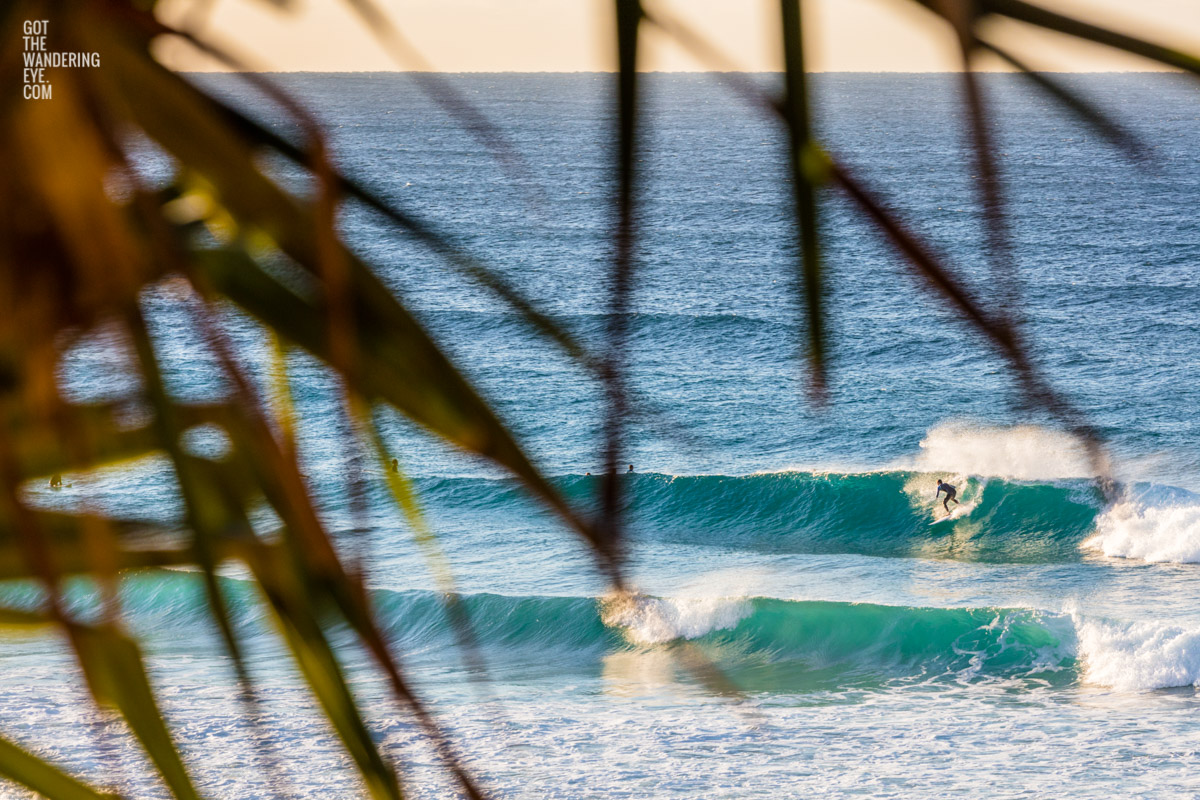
(631, 467)
(395, 465)
(56, 481)
(950, 492)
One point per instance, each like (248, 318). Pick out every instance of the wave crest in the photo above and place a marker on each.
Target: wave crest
(1024, 452)
(1138, 656)
(761, 643)
(1130, 529)
(652, 620)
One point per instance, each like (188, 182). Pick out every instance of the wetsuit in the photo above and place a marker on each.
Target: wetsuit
(950, 492)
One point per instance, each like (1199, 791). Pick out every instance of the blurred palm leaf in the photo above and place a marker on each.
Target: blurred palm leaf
(81, 237)
(44, 778)
(391, 358)
(112, 664)
(808, 174)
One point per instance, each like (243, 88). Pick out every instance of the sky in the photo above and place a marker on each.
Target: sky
(575, 35)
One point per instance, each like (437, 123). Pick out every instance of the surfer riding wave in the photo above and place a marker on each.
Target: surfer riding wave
(950, 494)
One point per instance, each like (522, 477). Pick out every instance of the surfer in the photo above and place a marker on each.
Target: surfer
(56, 481)
(631, 467)
(950, 492)
(395, 467)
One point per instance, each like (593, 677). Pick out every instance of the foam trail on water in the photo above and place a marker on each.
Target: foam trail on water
(1150, 533)
(1025, 452)
(653, 620)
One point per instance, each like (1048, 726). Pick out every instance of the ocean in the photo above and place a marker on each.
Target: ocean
(1041, 643)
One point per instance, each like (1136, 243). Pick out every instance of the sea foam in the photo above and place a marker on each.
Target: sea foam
(652, 620)
(1151, 533)
(1025, 452)
(1138, 656)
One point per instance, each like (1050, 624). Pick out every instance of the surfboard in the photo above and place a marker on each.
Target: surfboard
(961, 510)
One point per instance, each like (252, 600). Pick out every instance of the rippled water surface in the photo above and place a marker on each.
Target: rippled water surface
(1041, 642)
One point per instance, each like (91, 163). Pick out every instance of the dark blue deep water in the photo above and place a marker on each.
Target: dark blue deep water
(1040, 642)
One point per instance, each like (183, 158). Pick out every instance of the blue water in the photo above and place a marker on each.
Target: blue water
(1039, 643)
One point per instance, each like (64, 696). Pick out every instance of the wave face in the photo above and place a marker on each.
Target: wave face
(876, 513)
(776, 645)
(767, 644)
(761, 643)
(884, 513)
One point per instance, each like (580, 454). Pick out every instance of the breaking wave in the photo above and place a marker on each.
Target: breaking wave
(761, 643)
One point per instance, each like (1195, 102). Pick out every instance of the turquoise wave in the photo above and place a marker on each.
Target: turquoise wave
(791, 646)
(763, 644)
(875, 513)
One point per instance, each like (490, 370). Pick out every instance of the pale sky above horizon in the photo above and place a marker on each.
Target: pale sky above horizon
(575, 35)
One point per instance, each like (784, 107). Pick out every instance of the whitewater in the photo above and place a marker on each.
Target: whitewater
(1043, 641)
